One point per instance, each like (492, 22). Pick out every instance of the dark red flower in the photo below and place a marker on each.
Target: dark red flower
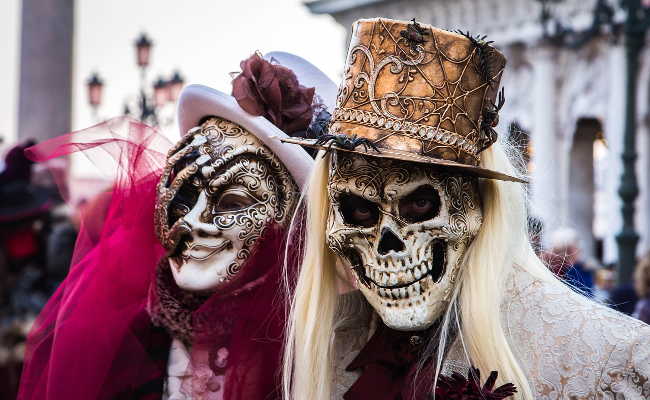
(273, 91)
(457, 387)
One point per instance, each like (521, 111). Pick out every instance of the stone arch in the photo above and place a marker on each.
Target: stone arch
(582, 182)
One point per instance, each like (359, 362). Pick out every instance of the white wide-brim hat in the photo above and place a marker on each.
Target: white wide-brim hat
(198, 101)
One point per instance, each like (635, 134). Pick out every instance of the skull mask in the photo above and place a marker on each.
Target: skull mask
(220, 190)
(403, 228)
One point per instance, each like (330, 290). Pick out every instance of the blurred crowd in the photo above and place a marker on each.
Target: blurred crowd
(587, 276)
(38, 230)
(37, 237)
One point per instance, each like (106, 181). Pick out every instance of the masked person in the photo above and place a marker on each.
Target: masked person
(226, 197)
(415, 195)
(178, 297)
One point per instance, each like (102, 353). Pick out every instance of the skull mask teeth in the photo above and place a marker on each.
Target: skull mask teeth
(403, 229)
(390, 281)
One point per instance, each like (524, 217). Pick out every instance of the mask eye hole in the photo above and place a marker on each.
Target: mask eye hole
(184, 200)
(233, 200)
(358, 211)
(421, 205)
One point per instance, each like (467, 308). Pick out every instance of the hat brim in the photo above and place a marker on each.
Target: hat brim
(410, 157)
(197, 102)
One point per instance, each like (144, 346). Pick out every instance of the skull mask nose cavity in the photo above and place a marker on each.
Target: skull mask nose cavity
(389, 241)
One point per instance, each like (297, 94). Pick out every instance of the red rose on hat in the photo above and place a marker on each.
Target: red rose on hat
(273, 91)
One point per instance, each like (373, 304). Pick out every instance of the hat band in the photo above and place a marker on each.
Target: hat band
(405, 128)
(428, 135)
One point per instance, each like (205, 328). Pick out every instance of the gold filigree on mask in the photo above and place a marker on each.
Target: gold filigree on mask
(221, 182)
(403, 229)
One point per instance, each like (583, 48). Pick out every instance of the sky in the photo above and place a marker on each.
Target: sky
(204, 39)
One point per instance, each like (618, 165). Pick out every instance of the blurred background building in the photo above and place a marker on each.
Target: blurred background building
(52, 47)
(45, 94)
(565, 103)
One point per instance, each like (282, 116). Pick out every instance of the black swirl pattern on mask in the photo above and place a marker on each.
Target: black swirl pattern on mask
(462, 194)
(384, 181)
(218, 155)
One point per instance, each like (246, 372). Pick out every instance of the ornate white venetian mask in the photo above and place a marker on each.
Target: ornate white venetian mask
(403, 228)
(219, 192)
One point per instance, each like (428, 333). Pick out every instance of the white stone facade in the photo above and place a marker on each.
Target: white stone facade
(561, 97)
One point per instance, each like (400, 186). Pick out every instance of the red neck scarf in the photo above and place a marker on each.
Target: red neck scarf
(247, 321)
(389, 364)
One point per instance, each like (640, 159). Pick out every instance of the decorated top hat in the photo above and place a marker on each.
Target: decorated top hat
(417, 93)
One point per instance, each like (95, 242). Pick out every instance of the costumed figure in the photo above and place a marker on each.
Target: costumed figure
(416, 196)
(180, 296)
(26, 220)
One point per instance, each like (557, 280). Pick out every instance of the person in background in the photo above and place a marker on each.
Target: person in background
(564, 259)
(642, 286)
(60, 245)
(605, 280)
(24, 226)
(623, 298)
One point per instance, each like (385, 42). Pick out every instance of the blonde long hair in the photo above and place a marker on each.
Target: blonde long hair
(474, 309)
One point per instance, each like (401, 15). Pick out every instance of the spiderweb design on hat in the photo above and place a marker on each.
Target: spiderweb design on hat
(419, 89)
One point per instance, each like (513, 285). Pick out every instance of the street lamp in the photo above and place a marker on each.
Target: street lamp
(95, 86)
(175, 86)
(161, 93)
(149, 103)
(143, 50)
(634, 28)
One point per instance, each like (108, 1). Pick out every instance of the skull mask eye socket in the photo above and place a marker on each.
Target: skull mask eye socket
(421, 205)
(358, 211)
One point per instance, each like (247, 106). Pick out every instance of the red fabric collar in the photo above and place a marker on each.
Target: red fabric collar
(389, 364)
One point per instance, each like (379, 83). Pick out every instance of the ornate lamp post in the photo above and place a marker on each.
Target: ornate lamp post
(95, 86)
(161, 92)
(175, 86)
(636, 25)
(148, 107)
(143, 51)
(634, 29)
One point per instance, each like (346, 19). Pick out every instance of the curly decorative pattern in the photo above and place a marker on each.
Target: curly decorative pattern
(211, 158)
(435, 243)
(463, 204)
(425, 97)
(572, 347)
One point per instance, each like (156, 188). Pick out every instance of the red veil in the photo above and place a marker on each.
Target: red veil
(94, 339)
